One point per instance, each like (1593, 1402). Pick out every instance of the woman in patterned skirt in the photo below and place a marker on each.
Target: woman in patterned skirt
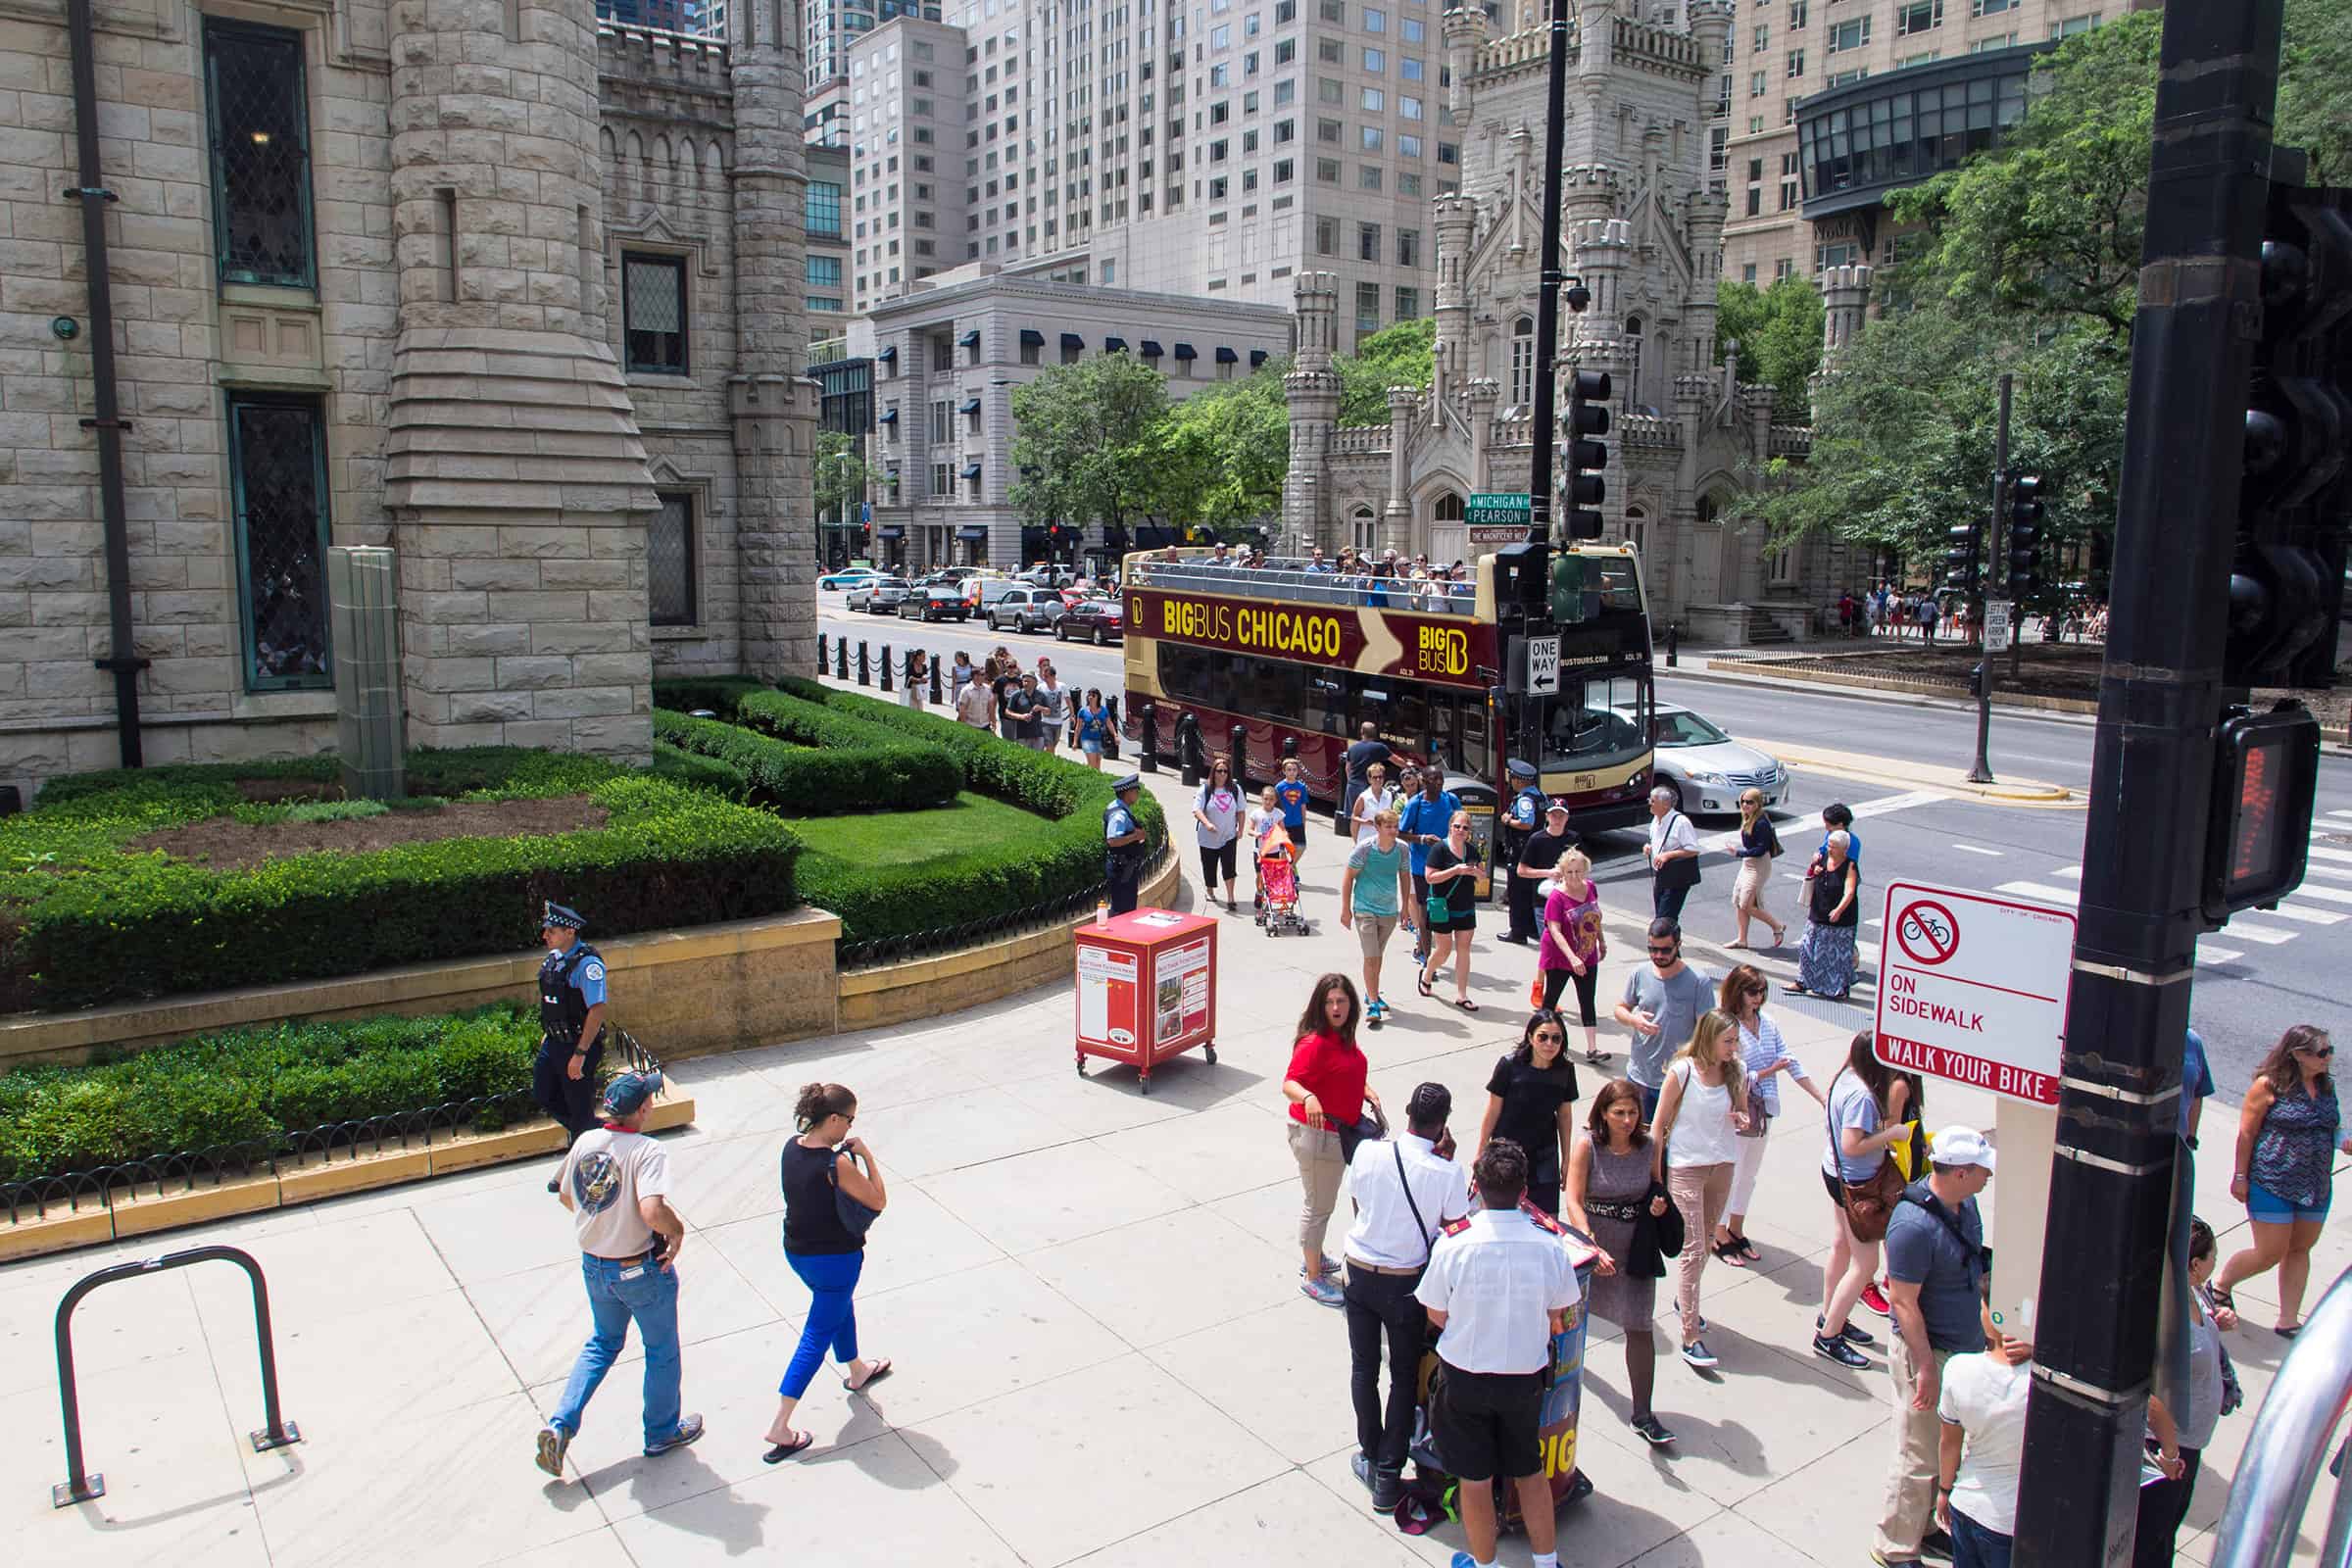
(1824, 959)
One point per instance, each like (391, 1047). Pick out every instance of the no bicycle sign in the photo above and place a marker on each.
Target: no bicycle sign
(1972, 988)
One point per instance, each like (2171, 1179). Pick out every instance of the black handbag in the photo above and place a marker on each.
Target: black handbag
(1681, 872)
(1369, 1124)
(1671, 1237)
(855, 1217)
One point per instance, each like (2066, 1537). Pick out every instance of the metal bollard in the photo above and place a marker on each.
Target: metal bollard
(936, 698)
(1673, 634)
(841, 658)
(820, 653)
(1290, 748)
(1146, 719)
(863, 677)
(1238, 738)
(886, 666)
(1188, 747)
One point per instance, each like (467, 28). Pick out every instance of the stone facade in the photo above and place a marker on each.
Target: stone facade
(451, 332)
(1643, 225)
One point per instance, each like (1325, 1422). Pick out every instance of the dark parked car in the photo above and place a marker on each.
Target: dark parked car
(1097, 621)
(935, 601)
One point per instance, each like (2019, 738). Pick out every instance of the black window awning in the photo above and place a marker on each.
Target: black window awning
(970, 406)
(1185, 351)
(890, 531)
(970, 340)
(971, 470)
(890, 415)
(1114, 345)
(971, 533)
(889, 352)
(1032, 339)
(1151, 349)
(1226, 356)
(1257, 357)
(1071, 340)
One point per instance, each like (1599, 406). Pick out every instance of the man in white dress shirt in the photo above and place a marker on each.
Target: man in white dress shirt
(1405, 1194)
(1497, 1294)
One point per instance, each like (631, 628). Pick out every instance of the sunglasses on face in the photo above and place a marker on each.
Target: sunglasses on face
(1666, 952)
(2316, 1052)
(1551, 1037)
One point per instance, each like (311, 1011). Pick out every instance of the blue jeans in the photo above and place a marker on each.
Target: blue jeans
(1974, 1546)
(617, 1292)
(832, 1320)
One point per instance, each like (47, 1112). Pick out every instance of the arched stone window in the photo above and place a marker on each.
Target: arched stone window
(1363, 528)
(1523, 361)
(1632, 363)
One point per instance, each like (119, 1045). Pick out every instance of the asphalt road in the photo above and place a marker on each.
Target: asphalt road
(2263, 972)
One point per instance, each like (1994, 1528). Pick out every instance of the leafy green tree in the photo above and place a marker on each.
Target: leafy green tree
(1223, 451)
(1083, 439)
(1403, 355)
(2050, 222)
(1779, 333)
(1904, 432)
(842, 475)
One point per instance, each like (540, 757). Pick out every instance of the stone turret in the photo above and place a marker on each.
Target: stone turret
(1396, 519)
(1483, 394)
(1588, 194)
(1465, 28)
(770, 405)
(1845, 297)
(1313, 393)
(1457, 223)
(1595, 47)
(1707, 212)
(1710, 23)
(514, 472)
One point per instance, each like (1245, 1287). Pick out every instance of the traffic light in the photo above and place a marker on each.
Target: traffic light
(1587, 392)
(1960, 559)
(2023, 536)
(2286, 582)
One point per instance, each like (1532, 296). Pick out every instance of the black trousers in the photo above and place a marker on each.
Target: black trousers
(569, 1100)
(2163, 1504)
(1556, 981)
(1523, 906)
(1124, 891)
(1667, 902)
(1381, 1305)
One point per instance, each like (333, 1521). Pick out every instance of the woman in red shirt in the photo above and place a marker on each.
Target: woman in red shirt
(1325, 1085)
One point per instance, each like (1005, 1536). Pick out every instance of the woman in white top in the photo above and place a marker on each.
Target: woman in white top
(1765, 1056)
(1377, 797)
(1982, 1399)
(1218, 820)
(1696, 1138)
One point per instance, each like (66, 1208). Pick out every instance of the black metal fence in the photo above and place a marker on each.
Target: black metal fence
(100, 1187)
(879, 951)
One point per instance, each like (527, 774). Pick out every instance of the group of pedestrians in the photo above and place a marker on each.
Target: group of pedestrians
(1891, 610)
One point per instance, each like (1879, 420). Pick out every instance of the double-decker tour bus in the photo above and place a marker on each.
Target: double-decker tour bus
(1544, 658)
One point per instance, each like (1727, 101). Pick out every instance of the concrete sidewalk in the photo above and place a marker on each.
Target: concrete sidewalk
(1089, 1296)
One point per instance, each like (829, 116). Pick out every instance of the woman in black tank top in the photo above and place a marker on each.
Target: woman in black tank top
(820, 1168)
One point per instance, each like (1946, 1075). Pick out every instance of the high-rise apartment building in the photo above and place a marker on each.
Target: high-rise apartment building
(833, 25)
(1783, 52)
(1212, 149)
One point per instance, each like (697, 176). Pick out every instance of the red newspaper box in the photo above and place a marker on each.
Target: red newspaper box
(1147, 987)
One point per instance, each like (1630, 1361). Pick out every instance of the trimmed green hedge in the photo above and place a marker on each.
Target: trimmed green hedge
(84, 920)
(851, 765)
(254, 1086)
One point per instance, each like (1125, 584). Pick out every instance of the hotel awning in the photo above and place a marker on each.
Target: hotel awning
(970, 406)
(1114, 345)
(971, 470)
(970, 340)
(1031, 339)
(1151, 350)
(1071, 340)
(1185, 351)
(1226, 356)
(1257, 357)
(889, 352)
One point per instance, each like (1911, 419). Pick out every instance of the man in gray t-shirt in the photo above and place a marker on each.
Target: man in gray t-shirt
(1662, 1003)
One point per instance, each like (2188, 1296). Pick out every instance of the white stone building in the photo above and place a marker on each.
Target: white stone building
(1642, 226)
(516, 294)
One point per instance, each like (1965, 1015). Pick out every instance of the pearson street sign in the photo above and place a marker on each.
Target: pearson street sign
(1972, 988)
(1505, 509)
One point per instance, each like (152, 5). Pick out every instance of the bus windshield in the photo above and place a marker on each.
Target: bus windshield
(1601, 719)
(1584, 588)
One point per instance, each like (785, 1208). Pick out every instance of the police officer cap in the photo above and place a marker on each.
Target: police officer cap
(557, 917)
(1524, 773)
(1133, 781)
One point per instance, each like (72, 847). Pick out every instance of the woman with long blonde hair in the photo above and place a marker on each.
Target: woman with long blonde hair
(1759, 845)
(1694, 1143)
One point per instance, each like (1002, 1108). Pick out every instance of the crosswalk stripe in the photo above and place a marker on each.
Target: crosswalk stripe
(2305, 915)
(2341, 816)
(2071, 873)
(2338, 857)
(2268, 936)
(2206, 955)
(2323, 895)
(1970, 848)
(2343, 873)
(2039, 890)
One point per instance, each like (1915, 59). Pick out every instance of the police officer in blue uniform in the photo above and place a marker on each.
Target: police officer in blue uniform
(1520, 821)
(572, 1021)
(1123, 844)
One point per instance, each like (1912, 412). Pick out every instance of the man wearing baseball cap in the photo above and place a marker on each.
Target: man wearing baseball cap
(1935, 1260)
(615, 1181)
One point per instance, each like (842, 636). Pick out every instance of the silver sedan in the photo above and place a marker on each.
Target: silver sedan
(1707, 769)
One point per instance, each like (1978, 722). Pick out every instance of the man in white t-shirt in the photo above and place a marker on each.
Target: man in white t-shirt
(1983, 1410)
(615, 1181)
(976, 706)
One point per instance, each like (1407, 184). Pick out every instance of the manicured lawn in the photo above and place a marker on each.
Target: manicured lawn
(902, 837)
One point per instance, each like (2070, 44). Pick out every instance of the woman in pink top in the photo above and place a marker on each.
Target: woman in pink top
(1573, 946)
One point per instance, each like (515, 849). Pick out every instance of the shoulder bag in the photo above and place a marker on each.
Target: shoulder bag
(1869, 1205)
(855, 1217)
(1980, 1256)
(1428, 1242)
(1682, 871)
(1368, 1124)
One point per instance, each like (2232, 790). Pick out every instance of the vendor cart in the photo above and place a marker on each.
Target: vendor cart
(1433, 1484)
(1147, 987)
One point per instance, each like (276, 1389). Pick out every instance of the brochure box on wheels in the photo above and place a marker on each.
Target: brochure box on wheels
(1147, 987)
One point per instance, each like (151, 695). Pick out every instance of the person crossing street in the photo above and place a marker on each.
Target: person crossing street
(571, 1023)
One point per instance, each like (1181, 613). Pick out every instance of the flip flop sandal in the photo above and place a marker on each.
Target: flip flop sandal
(882, 1369)
(1597, 1059)
(785, 1450)
(2222, 1299)
(1421, 980)
(1748, 1253)
(1466, 1005)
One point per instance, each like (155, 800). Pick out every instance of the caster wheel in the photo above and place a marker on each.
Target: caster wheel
(1147, 1086)
(1211, 1051)
(1081, 1066)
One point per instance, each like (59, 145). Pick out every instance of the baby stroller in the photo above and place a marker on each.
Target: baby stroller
(1278, 880)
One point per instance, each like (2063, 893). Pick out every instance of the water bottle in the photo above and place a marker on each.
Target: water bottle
(1102, 911)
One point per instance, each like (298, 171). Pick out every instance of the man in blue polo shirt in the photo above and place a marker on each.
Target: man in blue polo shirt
(1422, 823)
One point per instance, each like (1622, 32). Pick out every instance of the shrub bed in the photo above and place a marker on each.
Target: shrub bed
(251, 1088)
(84, 920)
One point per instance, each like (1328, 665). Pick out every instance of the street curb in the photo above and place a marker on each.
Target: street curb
(2020, 702)
(1715, 671)
(1886, 770)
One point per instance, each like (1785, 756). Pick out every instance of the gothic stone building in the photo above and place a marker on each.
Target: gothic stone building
(516, 294)
(1643, 225)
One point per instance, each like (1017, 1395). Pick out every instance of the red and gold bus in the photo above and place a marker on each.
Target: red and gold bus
(1298, 655)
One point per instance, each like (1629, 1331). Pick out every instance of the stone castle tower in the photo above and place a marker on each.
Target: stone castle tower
(1642, 218)
(386, 272)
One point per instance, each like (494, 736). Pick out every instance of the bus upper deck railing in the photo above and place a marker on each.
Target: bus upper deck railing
(1297, 585)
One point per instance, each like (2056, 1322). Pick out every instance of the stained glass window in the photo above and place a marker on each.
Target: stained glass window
(277, 456)
(670, 554)
(260, 126)
(653, 301)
